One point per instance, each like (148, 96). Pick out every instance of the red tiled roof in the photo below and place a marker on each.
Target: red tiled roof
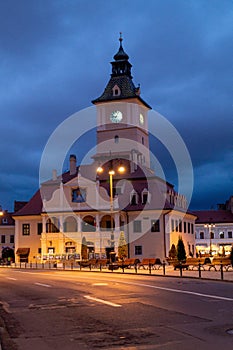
(213, 216)
(33, 207)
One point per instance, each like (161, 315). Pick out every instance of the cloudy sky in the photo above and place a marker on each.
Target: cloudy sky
(54, 59)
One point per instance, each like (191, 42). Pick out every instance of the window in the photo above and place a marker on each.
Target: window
(137, 226)
(185, 227)
(229, 234)
(176, 225)
(155, 226)
(201, 235)
(173, 225)
(212, 235)
(192, 228)
(133, 198)
(39, 228)
(26, 229)
(116, 139)
(138, 250)
(142, 140)
(39, 250)
(188, 227)
(221, 235)
(180, 226)
(3, 239)
(78, 195)
(12, 239)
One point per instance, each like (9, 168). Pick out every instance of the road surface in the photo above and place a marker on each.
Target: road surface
(72, 310)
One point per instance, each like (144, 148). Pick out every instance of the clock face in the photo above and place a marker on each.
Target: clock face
(116, 117)
(141, 119)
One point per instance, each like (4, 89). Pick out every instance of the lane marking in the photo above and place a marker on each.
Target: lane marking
(102, 301)
(11, 278)
(100, 284)
(179, 291)
(43, 285)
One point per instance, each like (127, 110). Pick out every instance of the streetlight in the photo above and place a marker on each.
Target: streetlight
(210, 235)
(120, 169)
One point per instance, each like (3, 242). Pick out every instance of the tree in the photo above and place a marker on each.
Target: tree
(181, 254)
(172, 252)
(84, 248)
(122, 246)
(231, 256)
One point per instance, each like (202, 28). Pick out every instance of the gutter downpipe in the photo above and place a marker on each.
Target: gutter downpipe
(164, 232)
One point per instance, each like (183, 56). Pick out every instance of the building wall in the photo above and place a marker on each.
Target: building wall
(31, 240)
(223, 237)
(7, 237)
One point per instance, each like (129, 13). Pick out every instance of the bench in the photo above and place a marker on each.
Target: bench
(195, 263)
(180, 265)
(128, 263)
(225, 262)
(150, 263)
(101, 263)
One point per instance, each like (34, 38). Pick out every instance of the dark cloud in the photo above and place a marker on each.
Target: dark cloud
(54, 59)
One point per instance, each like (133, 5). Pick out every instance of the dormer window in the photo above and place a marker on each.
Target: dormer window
(146, 196)
(133, 198)
(116, 90)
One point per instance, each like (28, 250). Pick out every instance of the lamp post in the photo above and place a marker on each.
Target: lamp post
(120, 169)
(210, 226)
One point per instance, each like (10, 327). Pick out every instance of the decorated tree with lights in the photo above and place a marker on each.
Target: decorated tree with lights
(122, 246)
(84, 248)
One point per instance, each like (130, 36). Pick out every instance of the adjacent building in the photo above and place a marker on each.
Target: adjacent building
(89, 210)
(214, 229)
(7, 236)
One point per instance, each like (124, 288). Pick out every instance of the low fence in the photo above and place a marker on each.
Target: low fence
(219, 273)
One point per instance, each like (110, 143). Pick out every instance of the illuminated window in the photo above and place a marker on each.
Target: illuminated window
(26, 229)
(155, 226)
(221, 235)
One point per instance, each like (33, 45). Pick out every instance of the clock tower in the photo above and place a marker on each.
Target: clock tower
(122, 123)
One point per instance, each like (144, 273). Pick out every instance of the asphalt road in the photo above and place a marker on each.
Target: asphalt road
(48, 310)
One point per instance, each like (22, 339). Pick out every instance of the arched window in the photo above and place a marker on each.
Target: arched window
(70, 224)
(116, 139)
(146, 196)
(105, 223)
(52, 225)
(133, 198)
(88, 224)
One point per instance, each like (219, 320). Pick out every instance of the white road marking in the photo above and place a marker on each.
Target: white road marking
(102, 301)
(11, 278)
(180, 291)
(100, 284)
(43, 285)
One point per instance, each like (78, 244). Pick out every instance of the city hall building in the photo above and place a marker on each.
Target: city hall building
(92, 210)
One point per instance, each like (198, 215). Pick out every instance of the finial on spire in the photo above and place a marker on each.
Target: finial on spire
(120, 39)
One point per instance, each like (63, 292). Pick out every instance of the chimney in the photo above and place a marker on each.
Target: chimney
(54, 174)
(73, 168)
